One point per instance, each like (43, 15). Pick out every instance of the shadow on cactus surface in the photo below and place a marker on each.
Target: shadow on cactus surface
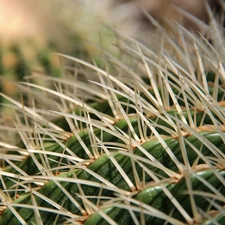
(137, 140)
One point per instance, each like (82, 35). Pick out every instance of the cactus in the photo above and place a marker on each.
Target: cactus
(138, 142)
(30, 39)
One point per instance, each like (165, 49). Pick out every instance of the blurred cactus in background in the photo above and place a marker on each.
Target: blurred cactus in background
(33, 31)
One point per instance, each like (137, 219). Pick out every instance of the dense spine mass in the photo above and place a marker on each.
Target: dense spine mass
(138, 139)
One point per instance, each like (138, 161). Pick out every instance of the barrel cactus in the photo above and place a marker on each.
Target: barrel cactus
(30, 37)
(137, 138)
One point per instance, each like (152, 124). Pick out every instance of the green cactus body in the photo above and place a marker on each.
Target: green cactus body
(143, 148)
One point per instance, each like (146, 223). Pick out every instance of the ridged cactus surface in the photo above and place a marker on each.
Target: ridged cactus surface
(137, 140)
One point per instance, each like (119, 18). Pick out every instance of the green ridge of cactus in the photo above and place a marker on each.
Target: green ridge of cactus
(139, 142)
